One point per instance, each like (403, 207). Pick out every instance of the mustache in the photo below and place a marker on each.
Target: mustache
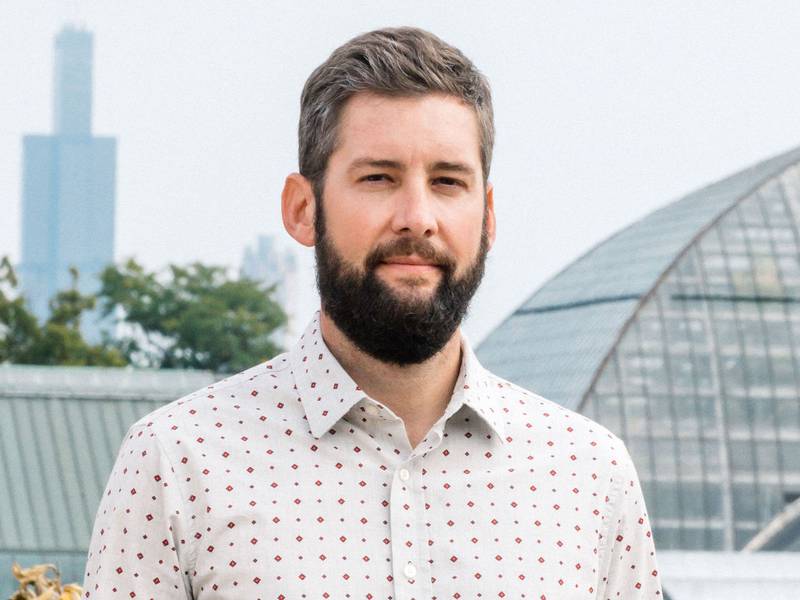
(406, 246)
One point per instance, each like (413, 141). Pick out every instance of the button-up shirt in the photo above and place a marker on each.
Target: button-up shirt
(287, 481)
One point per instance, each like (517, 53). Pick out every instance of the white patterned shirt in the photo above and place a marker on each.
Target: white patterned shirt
(286, 481)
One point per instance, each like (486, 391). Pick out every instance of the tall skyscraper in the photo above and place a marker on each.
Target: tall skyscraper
(68, 189)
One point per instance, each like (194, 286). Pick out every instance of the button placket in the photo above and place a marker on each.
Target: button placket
(406, 511)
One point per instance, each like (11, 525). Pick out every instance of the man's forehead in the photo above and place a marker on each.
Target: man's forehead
(376, 127)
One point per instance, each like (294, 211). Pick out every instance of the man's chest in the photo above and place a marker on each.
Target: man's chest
(356, 524)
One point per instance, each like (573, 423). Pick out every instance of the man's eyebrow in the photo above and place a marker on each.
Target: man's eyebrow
(375, 163)
(381, 163)
(457, 167)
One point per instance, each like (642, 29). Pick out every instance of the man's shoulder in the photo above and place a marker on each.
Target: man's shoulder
(248, 386)
(532, 414)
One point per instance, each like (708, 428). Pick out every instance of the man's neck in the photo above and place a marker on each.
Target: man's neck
(418, 394)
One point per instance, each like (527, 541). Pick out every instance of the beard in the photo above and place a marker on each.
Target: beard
(390, 327)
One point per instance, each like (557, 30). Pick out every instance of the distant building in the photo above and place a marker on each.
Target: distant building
(60, 432)
(273, 265)
(68, 187)
(681, 334)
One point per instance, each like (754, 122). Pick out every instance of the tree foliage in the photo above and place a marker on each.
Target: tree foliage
(58, 341)
(197, 318)
(194, 317)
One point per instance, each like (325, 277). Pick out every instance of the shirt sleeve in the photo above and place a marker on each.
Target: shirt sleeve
(627, 558)
(139, 547)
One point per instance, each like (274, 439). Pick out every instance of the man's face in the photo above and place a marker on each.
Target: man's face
(403, 225)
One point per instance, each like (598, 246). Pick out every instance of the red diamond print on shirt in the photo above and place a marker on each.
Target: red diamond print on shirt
(296, 491)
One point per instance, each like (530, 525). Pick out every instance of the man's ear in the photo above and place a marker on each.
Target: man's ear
(491, 224)
(297, 208)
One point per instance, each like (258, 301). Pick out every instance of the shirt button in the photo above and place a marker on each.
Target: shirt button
(404, 475)
(409, 570)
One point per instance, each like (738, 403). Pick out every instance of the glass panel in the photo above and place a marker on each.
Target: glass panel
(639, 449)
(732, 238)
(788, 416)
(668, 503)
(589, 407)
(693, 539)
(733, 374)
(609, 413)
(785, 381)
(661, 415)
(716, 539)
(757, 371)
(753, 336)
(767, 456)
(607, 383)
(636, 416)
(743, 535)
(693, 500)
(768, 282)
(656, 374)
(665, 457)
(713, 501)
(710, 245)
(739, 416)
(677, 332)
(770, 503)
(691, 457)
(666, 538)
(686, 412)
(790, 455)
(727, 335)
(698, 335)
(707, 408)
(764, 417)
(750, 213)
(745, 504)
(741, 457)
(703, 373)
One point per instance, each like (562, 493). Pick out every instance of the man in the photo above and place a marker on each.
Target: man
(378, 459)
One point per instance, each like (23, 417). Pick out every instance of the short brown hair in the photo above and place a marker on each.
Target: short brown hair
(402, 61)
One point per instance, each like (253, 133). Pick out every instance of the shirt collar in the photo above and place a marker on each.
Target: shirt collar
(327, 392)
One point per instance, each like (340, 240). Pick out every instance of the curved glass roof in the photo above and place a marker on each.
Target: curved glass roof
(558, 339)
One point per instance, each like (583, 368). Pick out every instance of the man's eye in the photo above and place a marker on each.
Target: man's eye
(447, 181)
(375, 177)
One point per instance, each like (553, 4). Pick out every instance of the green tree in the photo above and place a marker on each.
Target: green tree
(59, 340)
(194, 318)
(19, 330)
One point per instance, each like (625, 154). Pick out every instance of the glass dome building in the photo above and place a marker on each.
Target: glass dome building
(681, 334)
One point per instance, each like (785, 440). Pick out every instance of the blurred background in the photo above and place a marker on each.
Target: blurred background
(646, 270)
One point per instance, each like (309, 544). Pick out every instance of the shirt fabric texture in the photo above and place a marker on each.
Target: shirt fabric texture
(286, 481)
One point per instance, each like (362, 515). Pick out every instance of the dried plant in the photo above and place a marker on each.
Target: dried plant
(36, 584)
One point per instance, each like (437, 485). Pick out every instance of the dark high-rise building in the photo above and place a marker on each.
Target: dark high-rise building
(68, 189)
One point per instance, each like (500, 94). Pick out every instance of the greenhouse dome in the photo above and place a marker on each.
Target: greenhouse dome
(680, 334)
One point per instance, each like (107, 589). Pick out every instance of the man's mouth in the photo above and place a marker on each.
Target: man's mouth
(411, 265)
(412, 260)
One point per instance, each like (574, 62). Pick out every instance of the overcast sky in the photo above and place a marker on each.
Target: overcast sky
(604, 112)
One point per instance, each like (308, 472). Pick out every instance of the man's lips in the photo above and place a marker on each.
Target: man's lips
(410, 260)
(410, 265)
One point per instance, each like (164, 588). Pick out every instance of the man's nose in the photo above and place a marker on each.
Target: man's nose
(415, 211)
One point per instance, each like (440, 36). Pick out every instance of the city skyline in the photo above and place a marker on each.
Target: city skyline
(596, 126)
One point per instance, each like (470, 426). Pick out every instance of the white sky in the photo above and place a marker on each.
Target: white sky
(604, 111)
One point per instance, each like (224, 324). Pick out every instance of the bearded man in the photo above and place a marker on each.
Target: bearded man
(377, 458)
